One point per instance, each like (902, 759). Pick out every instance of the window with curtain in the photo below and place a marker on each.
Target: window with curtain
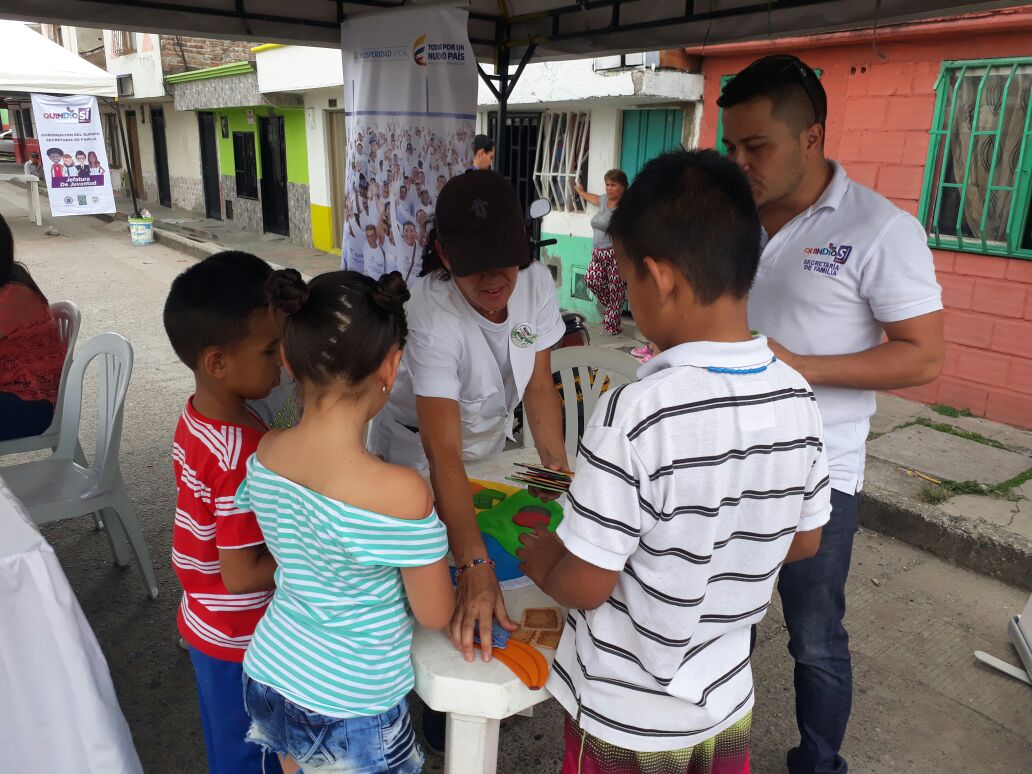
(562, 152)
(978, 179)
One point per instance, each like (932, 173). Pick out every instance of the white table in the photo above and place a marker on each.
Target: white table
(476, 696)
(32, 192)
(58, 710)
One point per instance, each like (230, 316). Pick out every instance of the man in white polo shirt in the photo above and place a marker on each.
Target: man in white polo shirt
(842, 267)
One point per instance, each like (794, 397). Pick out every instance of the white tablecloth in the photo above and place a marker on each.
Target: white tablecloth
(58, 710)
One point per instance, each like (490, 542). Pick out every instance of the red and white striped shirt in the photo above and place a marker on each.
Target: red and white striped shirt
(209, 459)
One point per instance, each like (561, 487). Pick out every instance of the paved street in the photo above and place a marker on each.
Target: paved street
(922, 703)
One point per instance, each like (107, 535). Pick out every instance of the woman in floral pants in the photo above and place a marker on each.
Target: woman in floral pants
(602, 277)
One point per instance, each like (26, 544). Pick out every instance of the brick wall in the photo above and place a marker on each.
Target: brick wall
(879, 114)
(200, 53)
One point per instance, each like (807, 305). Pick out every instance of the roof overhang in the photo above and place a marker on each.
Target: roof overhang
(558, 29)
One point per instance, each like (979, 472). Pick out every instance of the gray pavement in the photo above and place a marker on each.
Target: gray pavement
(958, 486)
(922, 703)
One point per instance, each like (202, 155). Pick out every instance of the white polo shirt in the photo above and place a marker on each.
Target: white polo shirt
(826, 283)
(691, 483)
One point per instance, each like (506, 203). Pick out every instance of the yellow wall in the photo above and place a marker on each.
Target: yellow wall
(322, 228)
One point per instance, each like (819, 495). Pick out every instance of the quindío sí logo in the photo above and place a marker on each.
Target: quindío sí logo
(839, 253)
(419, 51)
(79, 115)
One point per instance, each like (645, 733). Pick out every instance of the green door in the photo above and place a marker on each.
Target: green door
(646, 134)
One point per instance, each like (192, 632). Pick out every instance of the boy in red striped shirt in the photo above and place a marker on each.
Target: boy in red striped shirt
(220, 324)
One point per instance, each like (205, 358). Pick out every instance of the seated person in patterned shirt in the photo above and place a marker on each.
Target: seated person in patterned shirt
(693, 486)
(220, 324)
(32, 353)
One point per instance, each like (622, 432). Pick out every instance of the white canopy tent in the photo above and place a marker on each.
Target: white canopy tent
(31, 63)
(507, 34)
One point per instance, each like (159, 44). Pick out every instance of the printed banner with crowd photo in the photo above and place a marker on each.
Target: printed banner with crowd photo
(410, 95)
(71, 143)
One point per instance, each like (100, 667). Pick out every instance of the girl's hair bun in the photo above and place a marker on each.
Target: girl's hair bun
(391, 292)
(287, 291)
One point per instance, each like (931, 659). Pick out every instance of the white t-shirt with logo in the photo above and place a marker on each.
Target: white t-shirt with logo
(451, 354)
(826, 283)
(497, 337)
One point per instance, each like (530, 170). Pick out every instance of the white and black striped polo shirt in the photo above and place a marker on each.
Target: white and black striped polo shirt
(691, 482)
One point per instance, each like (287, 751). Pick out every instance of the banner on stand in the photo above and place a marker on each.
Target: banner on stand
(71, 145)
(410, 95)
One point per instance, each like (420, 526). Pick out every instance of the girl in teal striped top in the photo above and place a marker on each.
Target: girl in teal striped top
(359, 548)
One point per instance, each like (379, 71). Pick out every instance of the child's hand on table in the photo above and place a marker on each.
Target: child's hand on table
(540, 551)
(547, 495)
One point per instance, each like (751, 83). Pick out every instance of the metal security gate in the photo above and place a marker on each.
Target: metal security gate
(647, 134)
(161, 157)
(210, 165)
(522, 143)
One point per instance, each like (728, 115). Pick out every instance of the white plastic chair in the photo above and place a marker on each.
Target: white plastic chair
(62, 486)
(575, 365)
(68, 321)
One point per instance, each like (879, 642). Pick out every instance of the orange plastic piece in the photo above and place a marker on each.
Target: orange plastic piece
(526, 663)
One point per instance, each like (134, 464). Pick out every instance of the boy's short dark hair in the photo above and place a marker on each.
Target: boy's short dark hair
(789, 83)
(209, 303)
(694, 209)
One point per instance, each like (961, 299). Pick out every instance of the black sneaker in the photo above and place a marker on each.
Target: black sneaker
(434, 723)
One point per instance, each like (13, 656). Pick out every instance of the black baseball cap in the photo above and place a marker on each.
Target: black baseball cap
(482, 142)
(480, 224)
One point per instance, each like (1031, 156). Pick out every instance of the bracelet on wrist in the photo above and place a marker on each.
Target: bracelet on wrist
(474, 563)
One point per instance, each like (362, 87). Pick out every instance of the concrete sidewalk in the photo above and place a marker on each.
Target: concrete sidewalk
(922, 703)
(955, 485)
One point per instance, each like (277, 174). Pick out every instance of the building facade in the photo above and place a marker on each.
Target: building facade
(199, 134)
(936, 116)
(566, 119)
(574, 121)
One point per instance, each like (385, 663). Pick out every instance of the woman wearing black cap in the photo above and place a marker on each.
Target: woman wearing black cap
(482, 322)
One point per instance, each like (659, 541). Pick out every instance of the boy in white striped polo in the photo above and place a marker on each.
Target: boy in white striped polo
(693, 486)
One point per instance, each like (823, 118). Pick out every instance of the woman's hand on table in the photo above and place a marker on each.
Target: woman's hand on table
(540, 551)
(479, 601)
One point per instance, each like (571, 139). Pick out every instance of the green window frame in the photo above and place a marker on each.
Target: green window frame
(983, 205)
(719, 145)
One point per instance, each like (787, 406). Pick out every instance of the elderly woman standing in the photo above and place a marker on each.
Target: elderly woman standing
(602, 277)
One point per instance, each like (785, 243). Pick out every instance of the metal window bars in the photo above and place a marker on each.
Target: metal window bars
(977, 191)
(562, 150)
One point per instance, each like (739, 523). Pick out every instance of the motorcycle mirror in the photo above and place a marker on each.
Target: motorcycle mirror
(539, 208)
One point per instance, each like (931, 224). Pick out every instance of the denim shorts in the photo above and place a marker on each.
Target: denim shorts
(374, 744)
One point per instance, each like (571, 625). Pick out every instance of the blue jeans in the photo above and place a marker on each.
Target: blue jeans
(813, 595)
(372, 744)
(223, 717)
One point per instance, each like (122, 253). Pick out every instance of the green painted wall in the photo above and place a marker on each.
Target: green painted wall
(293, 130)
(646, 134)
(4, 119)
(575, 253)
(297, 145)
